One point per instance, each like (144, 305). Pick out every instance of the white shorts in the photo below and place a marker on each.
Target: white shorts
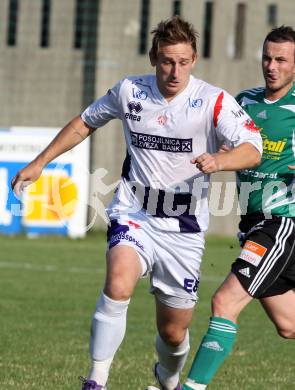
(172, 259)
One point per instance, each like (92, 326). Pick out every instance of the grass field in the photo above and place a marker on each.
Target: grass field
(48, 291)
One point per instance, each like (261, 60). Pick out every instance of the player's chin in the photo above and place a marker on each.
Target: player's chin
(273, 86)
(171, 93)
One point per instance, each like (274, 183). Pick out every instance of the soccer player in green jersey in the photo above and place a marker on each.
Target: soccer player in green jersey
(265, 268)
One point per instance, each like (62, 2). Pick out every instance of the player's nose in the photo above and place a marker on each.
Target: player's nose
(175, 71)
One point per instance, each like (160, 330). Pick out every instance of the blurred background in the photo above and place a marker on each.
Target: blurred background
(57, 56)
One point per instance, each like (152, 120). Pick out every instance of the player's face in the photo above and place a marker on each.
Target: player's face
(278, 65)
(173, 67)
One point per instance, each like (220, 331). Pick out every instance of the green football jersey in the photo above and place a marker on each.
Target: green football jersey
(270, 187)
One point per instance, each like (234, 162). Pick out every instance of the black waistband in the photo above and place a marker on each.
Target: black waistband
(250, 220)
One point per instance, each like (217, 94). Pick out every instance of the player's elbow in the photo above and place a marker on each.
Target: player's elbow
(255, 158)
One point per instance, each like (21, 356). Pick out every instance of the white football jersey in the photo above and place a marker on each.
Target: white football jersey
(162, 137)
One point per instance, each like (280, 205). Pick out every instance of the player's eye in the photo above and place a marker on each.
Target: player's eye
(183, 63)
(166, 62)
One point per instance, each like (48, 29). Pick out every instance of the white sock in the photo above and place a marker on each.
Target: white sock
(171, 361)
(107, 333)
(99, 371)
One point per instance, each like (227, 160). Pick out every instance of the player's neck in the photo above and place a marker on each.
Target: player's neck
(278, 94)
(169, 97)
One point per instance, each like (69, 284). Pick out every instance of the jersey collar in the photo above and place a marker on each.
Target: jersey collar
(176, 99)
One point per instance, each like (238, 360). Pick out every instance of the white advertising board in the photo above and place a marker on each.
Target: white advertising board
(57, 202)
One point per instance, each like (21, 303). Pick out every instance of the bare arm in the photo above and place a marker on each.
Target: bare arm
(69, 136)
(241, 157)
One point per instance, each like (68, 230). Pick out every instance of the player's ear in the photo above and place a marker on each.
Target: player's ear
(195, 57)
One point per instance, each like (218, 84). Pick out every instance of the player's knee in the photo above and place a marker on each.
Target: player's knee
(287, 332)
(225, 306)
(106, 305)
(172, 335)
(219, 307)
(117, 290)
(117, 293)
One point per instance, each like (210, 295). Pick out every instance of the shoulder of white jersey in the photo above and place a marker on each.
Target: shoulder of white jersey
(250, 96)
(139, 83)
(205, 87)
(139, 80)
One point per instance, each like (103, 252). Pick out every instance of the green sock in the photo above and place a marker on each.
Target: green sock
(214, 348)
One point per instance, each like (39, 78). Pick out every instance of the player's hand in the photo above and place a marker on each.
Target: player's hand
(25, 177)
(291, 166)
(207, 163)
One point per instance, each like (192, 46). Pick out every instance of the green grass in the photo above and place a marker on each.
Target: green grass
(48, 290)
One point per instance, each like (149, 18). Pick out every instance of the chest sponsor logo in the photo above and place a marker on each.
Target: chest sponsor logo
(252, 252)
(134, 109)
(273, 149)
(259, 175)
(195, 103)
(165, 144)
(274, 146)
(139, 94)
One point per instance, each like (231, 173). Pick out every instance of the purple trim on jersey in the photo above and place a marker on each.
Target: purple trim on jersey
(126, 166)
(187, 222)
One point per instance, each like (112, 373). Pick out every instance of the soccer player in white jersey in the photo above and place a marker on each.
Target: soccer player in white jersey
(173, 125)
(265, 268)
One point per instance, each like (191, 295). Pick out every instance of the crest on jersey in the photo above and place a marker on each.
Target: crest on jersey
(162, 119)
(139, 94)
(250, 125)
(195, 103)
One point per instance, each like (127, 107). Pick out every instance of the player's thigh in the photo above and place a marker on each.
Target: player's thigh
(281, 310)
(123, 271)
(176, 269)
(128, 257)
